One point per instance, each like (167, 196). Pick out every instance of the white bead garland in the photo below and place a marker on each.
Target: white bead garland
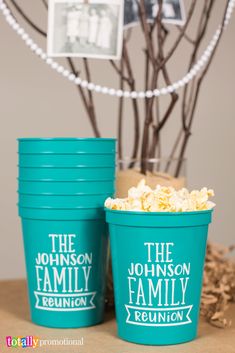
(112, 91)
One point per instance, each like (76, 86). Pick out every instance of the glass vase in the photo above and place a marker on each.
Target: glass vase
(163, 171)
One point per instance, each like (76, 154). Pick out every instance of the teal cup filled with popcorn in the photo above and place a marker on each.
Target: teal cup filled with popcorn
(158, 245)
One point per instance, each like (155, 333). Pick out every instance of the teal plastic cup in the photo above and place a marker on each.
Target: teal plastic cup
(66, 188)
(63, 201)
(67, 145)
(67, 174)
(67, 160)
(66, 256)
(157, 262)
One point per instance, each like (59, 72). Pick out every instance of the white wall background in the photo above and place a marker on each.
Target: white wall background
(35, 101)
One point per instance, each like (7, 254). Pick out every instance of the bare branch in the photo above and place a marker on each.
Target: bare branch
(84, 100)
(181, 35)
(91, 100)
(194, 104)
(174, 95)
(128, 35)
(120, 113)
(149, 104)
(203, 24)
(27, 19)
(134, 101)
(119, 72)
(45, 3)
(173, 151)
(186, 36)
(146, 30)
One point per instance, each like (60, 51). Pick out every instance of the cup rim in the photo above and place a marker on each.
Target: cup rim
(55, 194)
(82, 167)
(65, 181)
(159, 219)
(62, 167)
(89, 139)
(79, 153)
(149, 214)
(58, 208)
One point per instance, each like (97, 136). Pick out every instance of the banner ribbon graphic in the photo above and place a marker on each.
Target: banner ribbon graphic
(64, 302)
(158, 316)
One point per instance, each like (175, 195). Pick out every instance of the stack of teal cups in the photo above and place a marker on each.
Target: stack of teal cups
(63, 183)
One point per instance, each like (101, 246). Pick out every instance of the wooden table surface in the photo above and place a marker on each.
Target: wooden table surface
(15, 321)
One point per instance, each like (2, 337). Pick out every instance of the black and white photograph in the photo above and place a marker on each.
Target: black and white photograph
(91, 29)
(131, 13)
(173, 12)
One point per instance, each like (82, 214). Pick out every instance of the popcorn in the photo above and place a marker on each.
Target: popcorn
(162, 199)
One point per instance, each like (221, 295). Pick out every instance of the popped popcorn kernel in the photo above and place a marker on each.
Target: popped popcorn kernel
(162, 199)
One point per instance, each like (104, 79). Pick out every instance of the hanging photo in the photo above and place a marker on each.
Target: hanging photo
(85, 28)
(173, 12)
(131, 13)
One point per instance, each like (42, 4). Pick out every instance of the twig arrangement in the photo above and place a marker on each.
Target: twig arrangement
(147, 141)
